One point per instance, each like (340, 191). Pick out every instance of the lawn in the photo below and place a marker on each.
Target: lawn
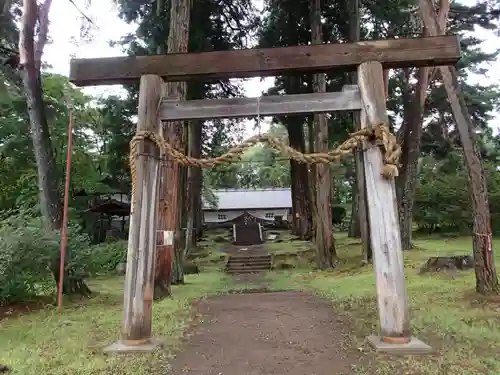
(47, 342)
(463, 328)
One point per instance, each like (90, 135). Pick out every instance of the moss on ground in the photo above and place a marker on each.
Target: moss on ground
(209, 254)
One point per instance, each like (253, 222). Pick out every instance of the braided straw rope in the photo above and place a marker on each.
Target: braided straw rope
(392, 150)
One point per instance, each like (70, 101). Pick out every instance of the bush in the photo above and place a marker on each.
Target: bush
(106, 256)
(338, 214)
(27, 252)
(442, 204)
(442, 201)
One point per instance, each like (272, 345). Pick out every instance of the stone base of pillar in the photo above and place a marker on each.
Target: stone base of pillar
(414, 346)
(120, 347)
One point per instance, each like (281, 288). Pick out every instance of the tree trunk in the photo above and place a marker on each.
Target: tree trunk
(412, 137)
(354, 229)
(180, 233)
(407, 179)
(198, 189)
(312, 175)
(484, 261)
(359, 223)
(173, 131)
(180, 238)
(300, 182)
(48, 176)
(163, 266)
(164, 255)
(199, 207)
(192, 182)
(403, 185)
(326, 256)
(30, 54)
(73, 284)
(293, 190)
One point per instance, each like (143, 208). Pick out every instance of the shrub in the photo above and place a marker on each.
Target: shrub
(442, 202)
(106, 256)
(27, 252)
(338, 214)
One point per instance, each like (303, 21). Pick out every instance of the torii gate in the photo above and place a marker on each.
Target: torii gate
(368, 57)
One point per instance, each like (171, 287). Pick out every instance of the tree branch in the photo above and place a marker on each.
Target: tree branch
(89, 20)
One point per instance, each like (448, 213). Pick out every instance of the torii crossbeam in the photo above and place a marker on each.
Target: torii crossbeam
(260, 62)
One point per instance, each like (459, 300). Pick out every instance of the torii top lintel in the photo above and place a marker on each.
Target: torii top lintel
(254, 62)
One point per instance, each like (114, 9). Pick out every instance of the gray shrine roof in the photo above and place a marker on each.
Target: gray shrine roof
(252, 199)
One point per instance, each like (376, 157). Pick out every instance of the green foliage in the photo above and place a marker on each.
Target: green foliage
(338, 214)
(209, 197)
(287, 23)
(214, 26)
(442, 198)
(106, 256)
(100, 142)
(28, 251)
(260, 167)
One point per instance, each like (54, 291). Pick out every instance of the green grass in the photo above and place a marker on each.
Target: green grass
(446, 313)
(47, 342)
(463, 328)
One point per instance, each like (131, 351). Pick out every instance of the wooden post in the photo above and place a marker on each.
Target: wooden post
(384, 225)
(139, 278)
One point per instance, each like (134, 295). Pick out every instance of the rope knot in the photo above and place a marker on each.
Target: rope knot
(392, 151)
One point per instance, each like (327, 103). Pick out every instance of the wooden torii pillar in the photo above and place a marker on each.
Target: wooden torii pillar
(141, 254)
(394, 315)
(385, 237)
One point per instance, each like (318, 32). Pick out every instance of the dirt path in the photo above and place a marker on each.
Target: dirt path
(267, 333)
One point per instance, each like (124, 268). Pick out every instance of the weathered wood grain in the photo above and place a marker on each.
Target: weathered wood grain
(255, 62)
(382, 213)
(139, 278)
(265, 106)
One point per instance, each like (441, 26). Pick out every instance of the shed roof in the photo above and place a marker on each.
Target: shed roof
(252, 199)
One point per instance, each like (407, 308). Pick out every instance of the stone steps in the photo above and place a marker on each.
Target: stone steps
(248, 263)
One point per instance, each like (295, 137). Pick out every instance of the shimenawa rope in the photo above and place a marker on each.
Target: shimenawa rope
(381, 132)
